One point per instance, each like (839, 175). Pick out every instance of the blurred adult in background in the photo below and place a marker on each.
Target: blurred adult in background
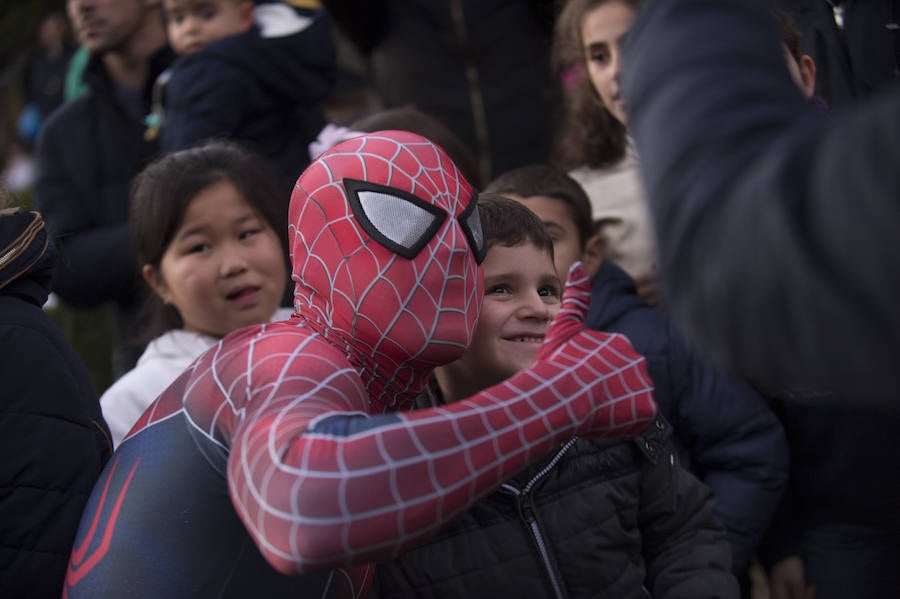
(777, 232)
(837, 531)
(44, 73)
(482, 67)
(90, 150)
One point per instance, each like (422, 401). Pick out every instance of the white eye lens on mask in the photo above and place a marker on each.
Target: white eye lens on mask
(394, 218)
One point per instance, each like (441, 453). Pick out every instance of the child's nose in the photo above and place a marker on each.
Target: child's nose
(534, 306)
(616, 59)
(233, 263)
(190, 23)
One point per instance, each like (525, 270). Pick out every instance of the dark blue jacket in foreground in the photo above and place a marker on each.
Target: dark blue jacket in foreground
(777, 232)
(726, 433)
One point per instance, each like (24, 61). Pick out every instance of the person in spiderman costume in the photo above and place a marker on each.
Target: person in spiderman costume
(286, 458)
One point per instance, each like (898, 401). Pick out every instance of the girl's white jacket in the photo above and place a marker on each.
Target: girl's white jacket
(165, 358)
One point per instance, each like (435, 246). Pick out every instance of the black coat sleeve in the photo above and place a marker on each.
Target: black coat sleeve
(777, 230)
(55, 444)
(97, 258)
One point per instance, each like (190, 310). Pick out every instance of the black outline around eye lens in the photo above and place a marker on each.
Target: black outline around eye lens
(354, 186)
(480, 251)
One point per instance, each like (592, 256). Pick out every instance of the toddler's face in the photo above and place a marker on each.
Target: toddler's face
(224, 268)
(194, 24)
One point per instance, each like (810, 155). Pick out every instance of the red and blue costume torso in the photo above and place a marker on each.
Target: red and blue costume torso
(286, 449)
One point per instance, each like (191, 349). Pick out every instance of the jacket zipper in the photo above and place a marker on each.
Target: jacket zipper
(21, 242)
(527, 510)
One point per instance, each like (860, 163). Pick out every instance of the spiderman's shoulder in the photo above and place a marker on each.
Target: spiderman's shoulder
(263, 347)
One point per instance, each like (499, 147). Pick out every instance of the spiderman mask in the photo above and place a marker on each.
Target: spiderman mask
(385, 246)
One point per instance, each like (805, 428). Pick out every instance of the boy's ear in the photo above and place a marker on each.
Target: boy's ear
(808, 74)
(246, 14)
(594, 250)
(155, 282)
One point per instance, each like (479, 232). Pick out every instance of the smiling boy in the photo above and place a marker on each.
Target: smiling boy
(591, 518)
(725, 431)
(521, 296)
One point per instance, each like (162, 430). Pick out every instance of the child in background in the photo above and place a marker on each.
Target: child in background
(254, 72)
(593, 518)
(210, 233)
(593, 143)
(725, 432)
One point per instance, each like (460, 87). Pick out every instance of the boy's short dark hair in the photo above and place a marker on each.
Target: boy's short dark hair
(508, 223)
(552, 182)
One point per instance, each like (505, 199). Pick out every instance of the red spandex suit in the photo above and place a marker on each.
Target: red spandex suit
(285, 459)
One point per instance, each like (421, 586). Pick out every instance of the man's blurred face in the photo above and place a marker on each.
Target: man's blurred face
(107, 25)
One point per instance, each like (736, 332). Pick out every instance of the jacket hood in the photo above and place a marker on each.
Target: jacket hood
(288, 49)
(613, 293)
(27, 256)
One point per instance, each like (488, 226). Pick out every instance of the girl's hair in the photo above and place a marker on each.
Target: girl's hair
(589, 135)
(508, 223)
(790, 35)
(162, 192)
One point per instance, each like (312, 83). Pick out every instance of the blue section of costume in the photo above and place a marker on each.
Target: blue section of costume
(198, 546)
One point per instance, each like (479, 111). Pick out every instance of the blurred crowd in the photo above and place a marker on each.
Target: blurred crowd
(151, 134)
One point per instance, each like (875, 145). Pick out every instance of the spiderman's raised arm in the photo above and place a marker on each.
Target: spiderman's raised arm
(319, 483)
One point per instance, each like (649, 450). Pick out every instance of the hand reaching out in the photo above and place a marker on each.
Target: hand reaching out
(599, 375)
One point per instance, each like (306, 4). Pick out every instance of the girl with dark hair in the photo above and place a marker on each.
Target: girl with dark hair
(210, 233)
(593, 144)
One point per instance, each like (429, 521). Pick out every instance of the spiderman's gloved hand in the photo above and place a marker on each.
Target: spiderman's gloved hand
(600, 377)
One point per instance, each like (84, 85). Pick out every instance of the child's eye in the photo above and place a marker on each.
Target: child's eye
(176, 17)
(198, 248)
(549, 291)
(497, 290)
(600, 56)
(249, 233)
(207, 12)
